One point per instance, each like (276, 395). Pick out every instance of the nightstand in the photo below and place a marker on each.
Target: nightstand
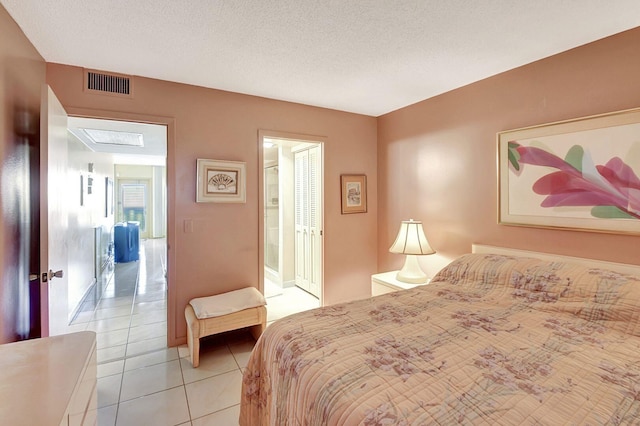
(386, 282)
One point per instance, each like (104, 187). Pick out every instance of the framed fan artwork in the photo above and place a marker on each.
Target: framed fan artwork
(220, 181)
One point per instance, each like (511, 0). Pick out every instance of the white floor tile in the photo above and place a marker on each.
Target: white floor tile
(107, 313)
(107, 415)
(140, 307)
(214, 394)
(84, 316)
(227, 417)
(145, 346)
(271, 289)
(110, 368)
(112, 338)
(109, 390)
(110, 324)
(162, 408)
(149, 331)
(112, 353)
(183, 351)
(153, 284)
(241, 352)
(213, 361)
(148, 318)
(291, 301)
(152, 295)
(112, 302)
(145, 381)
(152, 358)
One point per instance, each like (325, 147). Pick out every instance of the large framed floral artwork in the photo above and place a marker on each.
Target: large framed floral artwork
(580, 174)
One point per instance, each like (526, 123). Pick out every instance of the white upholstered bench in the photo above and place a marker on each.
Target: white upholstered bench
(224, 312)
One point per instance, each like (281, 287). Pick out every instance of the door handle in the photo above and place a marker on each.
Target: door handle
(51, 275)
(56, 274)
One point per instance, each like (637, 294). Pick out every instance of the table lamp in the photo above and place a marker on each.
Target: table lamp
(412, 242)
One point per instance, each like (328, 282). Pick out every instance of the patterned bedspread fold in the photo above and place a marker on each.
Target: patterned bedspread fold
(494, 340)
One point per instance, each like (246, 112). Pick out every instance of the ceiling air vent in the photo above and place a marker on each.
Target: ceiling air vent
(108, 83)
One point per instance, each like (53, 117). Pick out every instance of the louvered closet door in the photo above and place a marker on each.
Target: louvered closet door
(315, 226)
(308, 241)
(302, 220)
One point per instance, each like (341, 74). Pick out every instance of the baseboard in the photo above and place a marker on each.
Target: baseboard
(271, 275)
(87, 292)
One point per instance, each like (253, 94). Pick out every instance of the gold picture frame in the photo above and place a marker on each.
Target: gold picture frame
(580, 174)
(353, 193)
(220, 181)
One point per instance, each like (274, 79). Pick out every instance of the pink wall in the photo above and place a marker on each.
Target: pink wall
(437, 158)
(222, 252)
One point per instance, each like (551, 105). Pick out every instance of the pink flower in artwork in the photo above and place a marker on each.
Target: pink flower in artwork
(612, 189)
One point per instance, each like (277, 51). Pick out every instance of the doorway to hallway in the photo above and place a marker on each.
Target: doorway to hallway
(128, 159)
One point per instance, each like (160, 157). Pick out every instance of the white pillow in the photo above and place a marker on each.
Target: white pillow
(227, 303)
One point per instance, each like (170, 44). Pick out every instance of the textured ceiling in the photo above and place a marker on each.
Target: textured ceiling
(364, 56)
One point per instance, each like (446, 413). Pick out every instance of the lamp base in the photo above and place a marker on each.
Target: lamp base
(411, 272)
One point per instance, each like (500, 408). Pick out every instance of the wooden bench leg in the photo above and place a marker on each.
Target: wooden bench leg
(193, 335)
(257, 330)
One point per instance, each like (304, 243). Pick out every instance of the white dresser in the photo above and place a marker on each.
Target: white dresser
(386, 282)
(49, 381)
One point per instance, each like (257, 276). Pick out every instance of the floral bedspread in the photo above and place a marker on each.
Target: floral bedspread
(493, 340)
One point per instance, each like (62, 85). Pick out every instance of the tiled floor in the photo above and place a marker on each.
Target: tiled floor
(286, 301)
(140, 380)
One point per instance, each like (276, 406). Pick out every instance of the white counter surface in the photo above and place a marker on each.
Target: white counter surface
(39, 378)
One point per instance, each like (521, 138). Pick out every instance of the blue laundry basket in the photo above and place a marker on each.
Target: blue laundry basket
(126, 240)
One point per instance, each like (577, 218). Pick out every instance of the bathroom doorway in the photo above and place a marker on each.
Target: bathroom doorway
(292, 224)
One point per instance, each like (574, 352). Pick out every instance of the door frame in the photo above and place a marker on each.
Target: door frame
(274, 134)
(169, 122)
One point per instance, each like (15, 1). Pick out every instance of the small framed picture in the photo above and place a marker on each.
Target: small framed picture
(354, 193)
(81, 190)
(220, 181)
(108, 185)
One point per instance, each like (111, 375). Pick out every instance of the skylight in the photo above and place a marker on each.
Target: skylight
(113, 137)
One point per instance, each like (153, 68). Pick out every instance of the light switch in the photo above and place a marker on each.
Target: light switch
(188, 226)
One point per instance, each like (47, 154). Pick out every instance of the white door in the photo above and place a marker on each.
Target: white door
(54, 187)
(308, 220)
(301, 165)
(315, 224)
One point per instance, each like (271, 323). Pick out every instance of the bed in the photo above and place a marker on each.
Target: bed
(497, 338)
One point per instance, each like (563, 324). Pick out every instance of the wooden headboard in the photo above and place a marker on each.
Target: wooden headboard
(624, 268)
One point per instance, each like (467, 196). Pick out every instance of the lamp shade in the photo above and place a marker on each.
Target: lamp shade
(411, 239)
